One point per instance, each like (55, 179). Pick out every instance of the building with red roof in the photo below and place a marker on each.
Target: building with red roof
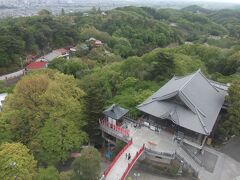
(62, 51)
(37, 65)
(98, 43)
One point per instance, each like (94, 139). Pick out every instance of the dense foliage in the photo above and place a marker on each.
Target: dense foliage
(36, 115)
(49, 173)
(126, 31)
(231, 122)
(16, 162)
(87, 166)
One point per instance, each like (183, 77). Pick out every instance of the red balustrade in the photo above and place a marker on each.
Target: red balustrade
(117, 157)
(130, 165)
(119, 129)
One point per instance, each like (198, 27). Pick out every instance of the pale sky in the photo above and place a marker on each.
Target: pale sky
(229, 1)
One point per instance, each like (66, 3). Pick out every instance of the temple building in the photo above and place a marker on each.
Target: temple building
(174, 125)
(186, 106)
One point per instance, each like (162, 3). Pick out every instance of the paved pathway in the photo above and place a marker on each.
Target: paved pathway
(226, 168)
(122, 164)
(12, 75)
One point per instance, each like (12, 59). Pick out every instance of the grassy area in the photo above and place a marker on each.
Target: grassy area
(6, 87)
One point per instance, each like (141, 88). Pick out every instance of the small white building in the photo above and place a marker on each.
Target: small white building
(104, 13)
(173, 24)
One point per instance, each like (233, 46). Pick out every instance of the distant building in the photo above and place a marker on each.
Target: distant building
(173, 24)
(62, 51)
(214, 37)
(98, 43)
(94, 42)
(104, 13)
(91, 39)
(37, 65)
(188, 43)
(73, 50)
(85, 14)
(2, 99)
(55, 54)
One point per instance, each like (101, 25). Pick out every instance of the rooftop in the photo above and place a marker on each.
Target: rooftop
(62, 50)
(52, 55)
(191, 102)
(37, 65)
(115, 111)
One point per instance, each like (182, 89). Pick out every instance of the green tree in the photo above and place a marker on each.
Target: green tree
(231, 125)
(119, 146)
(16, 162)
(56, 139)
(49, 173)
(74, 66)
(87, 166)
(36, 115)
(95, 101)
(161, 64)
(66, 175)
(99, 87)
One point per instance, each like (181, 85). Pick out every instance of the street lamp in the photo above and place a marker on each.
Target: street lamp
(136, 175)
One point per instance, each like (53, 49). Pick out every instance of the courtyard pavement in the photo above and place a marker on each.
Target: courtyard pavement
(222, 166)
(157, 141)
(232, 148)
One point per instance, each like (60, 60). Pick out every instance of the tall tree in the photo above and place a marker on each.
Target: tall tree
(49, 173)
(16, 162)
(87, 166)
(231, 125)
(45, 110)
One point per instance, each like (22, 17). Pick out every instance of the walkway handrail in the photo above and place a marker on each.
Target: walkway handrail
(179, 157)
(165, 154)
(117, 157)
(130, 165)
(119, 129)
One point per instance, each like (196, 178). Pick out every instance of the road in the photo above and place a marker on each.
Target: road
(12, 75)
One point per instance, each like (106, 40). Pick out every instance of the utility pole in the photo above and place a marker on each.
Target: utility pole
(21, 61)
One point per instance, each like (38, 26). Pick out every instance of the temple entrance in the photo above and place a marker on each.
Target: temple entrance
(164, 124)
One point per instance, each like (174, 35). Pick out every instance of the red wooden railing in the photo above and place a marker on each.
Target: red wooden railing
(104, 122)
(117, 157)
(130, 165)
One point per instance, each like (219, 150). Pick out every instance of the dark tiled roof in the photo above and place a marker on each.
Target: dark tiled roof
(115, 112)
(191, 102)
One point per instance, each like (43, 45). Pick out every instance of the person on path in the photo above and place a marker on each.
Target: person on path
(126, 156)
(129, 156)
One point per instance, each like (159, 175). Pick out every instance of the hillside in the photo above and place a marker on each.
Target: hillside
(121, 56)
(128, 31)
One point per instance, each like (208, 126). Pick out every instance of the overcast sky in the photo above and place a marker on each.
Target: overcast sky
(229, 1)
